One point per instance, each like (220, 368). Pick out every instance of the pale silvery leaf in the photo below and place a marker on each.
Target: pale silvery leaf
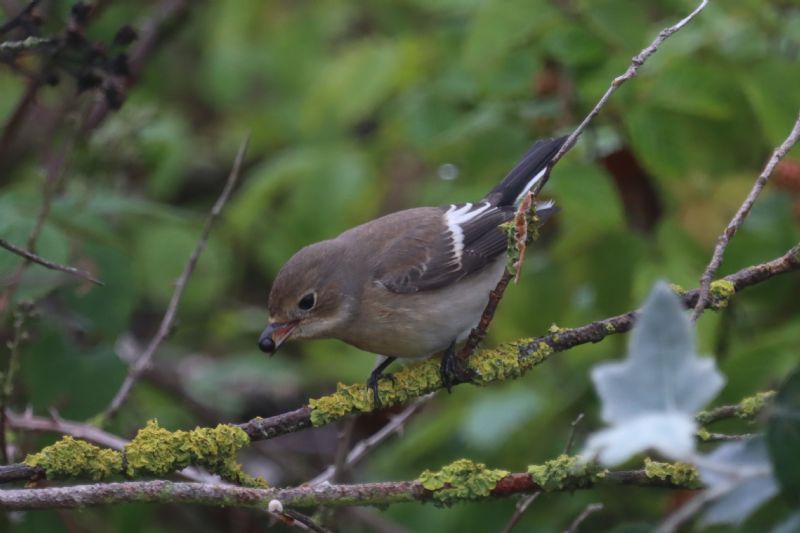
(662, 377)
(662, 372)
(616, 444)
(746, 469)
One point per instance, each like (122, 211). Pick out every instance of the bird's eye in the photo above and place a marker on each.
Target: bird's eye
(307, 302)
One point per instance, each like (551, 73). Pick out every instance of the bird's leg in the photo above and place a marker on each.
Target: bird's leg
(375, 377)
(453, 369)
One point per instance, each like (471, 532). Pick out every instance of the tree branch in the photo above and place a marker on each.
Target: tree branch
(529, 353)
(305, 496)
(738, 219)
(165, 327)
(479, 332)
(30, 256)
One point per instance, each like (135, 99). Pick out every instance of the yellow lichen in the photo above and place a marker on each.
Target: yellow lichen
(506, 361)
(157, 451)
(751, 406)
(154, 451)
(563, 472)
(461, 480)
(703, 434)
(721, 292)
(70, 458)
(681, 474)
(677, 289)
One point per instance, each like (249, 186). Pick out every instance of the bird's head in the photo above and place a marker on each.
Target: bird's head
(310, 298)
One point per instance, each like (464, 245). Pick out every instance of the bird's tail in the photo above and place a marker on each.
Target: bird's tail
(525, 173)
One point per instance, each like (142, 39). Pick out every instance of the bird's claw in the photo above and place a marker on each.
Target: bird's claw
(372, 384)
(453, 369)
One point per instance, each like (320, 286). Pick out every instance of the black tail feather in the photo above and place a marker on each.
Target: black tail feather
(519, 180)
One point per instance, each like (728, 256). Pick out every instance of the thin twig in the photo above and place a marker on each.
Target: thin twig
(590, 509)
(520, 509)
(342, 448)
(29, 43)
(363, 448)
(738, 219)
(30, 256)
(21, 314)
(630, 73)
(724, 437)
(571, 438)
(478, 333)
(304, 496)
(17, 19)
(165, 327)
(56, 168)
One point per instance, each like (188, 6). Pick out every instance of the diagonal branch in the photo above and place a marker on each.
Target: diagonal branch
(479, 332)
(30, 256)
(165, 327)
(738, 219)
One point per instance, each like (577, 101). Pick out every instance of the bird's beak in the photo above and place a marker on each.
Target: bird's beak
(274, 335)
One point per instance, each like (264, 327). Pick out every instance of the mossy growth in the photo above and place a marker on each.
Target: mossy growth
(154, 451)
(677, 289)
(565, 472)
(157, 451)
(751, 406)
(71, 458)
(721, 292)
(506, 361)
(461, 480)
(747, 409)
(680, 474)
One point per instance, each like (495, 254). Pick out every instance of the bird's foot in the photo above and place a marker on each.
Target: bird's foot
(453, 369)
(375, 377)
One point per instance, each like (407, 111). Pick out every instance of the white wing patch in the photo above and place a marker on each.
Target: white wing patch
(530, 185)
(454, 217)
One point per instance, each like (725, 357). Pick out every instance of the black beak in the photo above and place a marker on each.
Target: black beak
(265, 342)
(274, 334)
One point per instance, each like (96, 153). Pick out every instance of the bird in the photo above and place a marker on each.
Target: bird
(409, 284)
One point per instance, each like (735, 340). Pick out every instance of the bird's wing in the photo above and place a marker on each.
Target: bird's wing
(439, 250)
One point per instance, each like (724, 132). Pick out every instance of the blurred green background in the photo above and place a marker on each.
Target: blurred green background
(357, 109)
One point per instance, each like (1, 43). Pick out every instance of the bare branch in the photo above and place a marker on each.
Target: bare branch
(590, 509)
(738, 219)
(630, 73)
(363, 448)
(165, 327)
(521, 509)
(479, 332)
(29, 43)
(304, 496)
(30, 256)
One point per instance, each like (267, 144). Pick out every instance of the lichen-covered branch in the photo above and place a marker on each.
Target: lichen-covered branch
(507, 361)
(747, 409)
(738, 219)
(457, 482)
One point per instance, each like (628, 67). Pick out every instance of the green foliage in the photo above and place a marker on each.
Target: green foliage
(353, 108)
(783, 437)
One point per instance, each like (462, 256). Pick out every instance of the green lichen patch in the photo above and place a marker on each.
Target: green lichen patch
(460, 481)
(70, 458)
(681, 474)
(751, 406)
(410, 382)
(157, 451)
(506, 361)
(677, 289)
(721, 292)
(565, 472)
(747, 409)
